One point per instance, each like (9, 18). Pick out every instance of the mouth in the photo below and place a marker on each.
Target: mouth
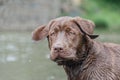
(60, 61)
(69, 63)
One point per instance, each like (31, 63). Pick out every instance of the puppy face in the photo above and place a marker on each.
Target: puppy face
(65, 36)
(64, 39)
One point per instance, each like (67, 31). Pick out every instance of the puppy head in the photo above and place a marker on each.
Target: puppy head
(65, 36)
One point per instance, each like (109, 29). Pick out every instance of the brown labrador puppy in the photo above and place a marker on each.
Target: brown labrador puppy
(72, 45)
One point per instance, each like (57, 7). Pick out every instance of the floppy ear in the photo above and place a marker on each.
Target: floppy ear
(85, 26)
(40, 32)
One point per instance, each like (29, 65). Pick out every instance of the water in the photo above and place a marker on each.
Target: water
(23, 59)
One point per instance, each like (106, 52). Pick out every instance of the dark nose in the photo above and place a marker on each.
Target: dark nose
(58, 49)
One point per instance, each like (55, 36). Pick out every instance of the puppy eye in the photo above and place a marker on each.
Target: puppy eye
(52, 34)
(71, 32)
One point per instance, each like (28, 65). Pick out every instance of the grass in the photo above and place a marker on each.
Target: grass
(23, 59)
(94, 10)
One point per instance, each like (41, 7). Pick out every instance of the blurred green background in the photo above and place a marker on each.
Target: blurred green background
(23, 59)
